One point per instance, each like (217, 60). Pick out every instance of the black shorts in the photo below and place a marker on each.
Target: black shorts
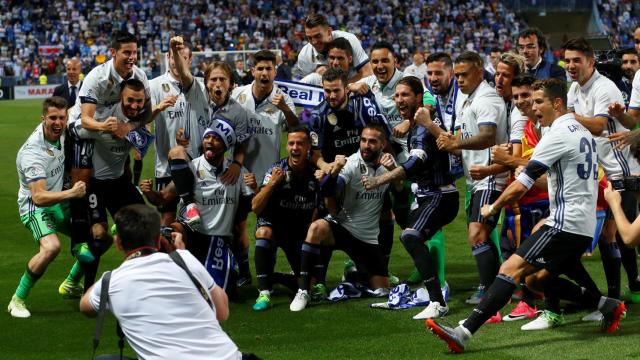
(244, 208)
(554, 250)
(367, 257)
(171, 206)
(629, 206)
(434, 211)
(198, 243)
(111, 195)
(479, 199)
(288, 237)
(387, 204)
(82, 152)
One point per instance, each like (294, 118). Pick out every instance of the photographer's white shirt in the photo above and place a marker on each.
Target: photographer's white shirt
(162, 313)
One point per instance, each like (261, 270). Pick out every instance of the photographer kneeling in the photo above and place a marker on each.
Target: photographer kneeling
(161, 311)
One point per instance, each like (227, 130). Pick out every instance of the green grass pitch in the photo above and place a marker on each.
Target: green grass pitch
(347, 330)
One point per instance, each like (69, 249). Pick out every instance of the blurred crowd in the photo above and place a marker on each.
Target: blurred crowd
(38, 38)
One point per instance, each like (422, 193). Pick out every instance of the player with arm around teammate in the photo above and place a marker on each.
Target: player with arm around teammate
(436, 194)
(353, 223)
(569, 154)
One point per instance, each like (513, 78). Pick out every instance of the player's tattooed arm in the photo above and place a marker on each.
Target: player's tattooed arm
(595, 125)
(157, 197)
(318, 161)
(395, 175)
(485, 138)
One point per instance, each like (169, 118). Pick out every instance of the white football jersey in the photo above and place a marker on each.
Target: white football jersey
(109, 153)
(38, 160)
(482, 107)
(312, 79)
(593, 99)
(309, 58)
(217, 202)
(569, 152)
(360, 212)
(418, 71)
(517, 121)
(266, 123)
(179, 116)
(384, 97)
(634, 102)
(101, 87)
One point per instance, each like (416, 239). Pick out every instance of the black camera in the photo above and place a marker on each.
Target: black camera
(632, 183)
(166, 231)
(608, 63)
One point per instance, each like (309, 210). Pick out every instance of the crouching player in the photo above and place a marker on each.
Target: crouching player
(42, 202)
(569, 154)
(285, 207)
(217, 202)
(353, 225)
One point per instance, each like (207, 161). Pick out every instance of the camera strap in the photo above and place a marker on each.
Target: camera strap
(102, 310)
(175, 256)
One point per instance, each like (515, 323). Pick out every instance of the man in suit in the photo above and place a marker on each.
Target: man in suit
(283, 70)
(70, 89)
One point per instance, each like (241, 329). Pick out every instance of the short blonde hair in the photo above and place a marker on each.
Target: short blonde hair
(516, 61)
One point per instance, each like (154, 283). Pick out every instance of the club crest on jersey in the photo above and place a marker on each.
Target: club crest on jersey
(242, 98)
(332, 119)
(200, 174)
(314, 138)
(270, 110)
(364, 169)
(312, 186)
(50, 152)
(165, 88)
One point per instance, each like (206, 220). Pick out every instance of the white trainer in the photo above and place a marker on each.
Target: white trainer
(546, 320)
(594, 316)
(17, 308)
(433, 311)
(300, 301)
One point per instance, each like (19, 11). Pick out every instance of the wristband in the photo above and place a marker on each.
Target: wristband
(491, 210)
(237, 163)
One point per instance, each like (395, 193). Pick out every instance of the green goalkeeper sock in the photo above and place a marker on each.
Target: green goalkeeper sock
(27, 282)
(436, 250)
(495, 236)
(76, 273)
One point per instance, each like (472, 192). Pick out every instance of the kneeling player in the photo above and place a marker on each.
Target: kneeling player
(285, 207)
(42, 202)
(217, 202)
(353, 225)
(435, 191)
